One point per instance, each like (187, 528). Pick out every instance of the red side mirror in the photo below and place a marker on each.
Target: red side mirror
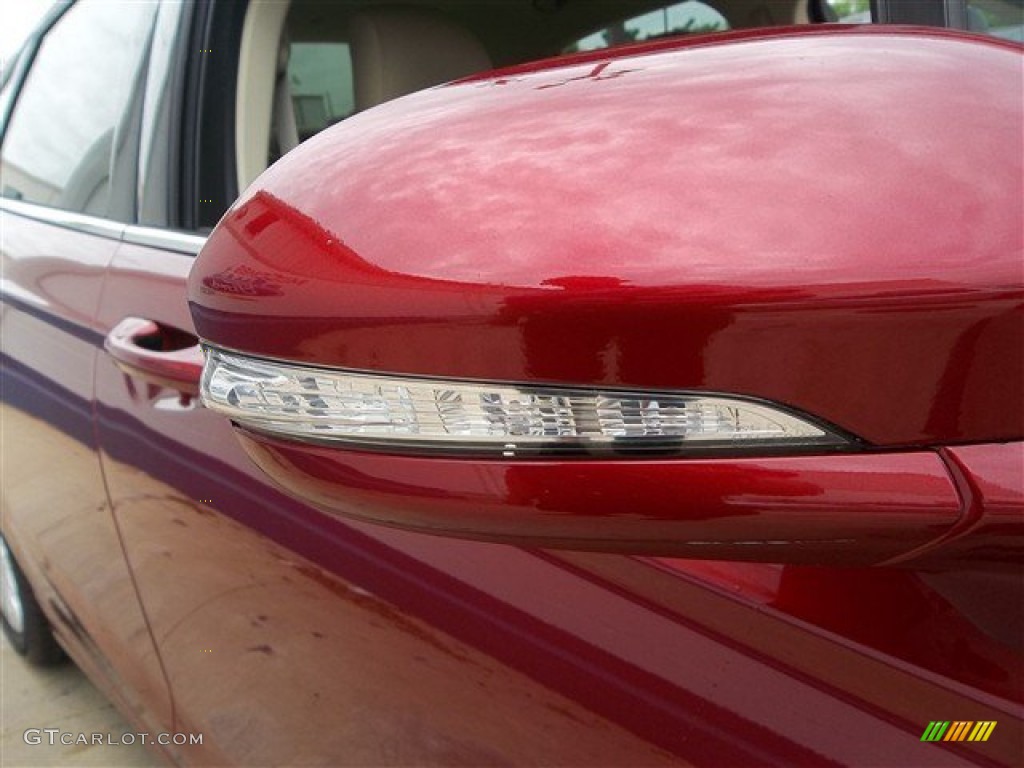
(710, 300)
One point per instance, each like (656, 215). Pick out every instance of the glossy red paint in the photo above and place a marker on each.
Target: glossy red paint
(338, 641)
(831, 509)
(830, 221)
(916, 621)
(159, 355)
(674, 646)
(994, 529)
(54, 509)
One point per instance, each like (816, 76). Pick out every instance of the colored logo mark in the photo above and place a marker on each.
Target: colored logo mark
(958, 730)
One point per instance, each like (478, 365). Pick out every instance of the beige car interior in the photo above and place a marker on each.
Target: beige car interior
(391, 49)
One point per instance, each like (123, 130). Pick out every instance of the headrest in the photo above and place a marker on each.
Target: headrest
(398, 50)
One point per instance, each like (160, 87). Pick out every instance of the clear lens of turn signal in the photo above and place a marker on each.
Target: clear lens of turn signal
(405, 414)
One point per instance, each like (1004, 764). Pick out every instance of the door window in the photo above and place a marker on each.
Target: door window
(999, 18)
(686, 18)
(76, 107)
(849, 11)
(320, 76)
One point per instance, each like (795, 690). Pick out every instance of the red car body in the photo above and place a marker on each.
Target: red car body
(713, 216)
(834, 282)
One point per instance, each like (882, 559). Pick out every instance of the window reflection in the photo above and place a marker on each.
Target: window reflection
(686, 18)
(71, 112)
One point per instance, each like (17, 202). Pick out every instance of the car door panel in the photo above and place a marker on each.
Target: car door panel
(277, 622)
(263, 647)
(56, 514)
(176, 571)
(995, 529)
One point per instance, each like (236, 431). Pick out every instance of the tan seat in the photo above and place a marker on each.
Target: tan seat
(397, 50)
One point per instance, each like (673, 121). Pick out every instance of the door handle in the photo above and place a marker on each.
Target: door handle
(156, 353)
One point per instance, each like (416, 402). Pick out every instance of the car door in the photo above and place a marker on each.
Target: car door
(295, 636)
(289, 638)
(67, 172)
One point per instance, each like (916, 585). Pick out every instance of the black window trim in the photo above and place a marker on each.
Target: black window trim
(208, 168)
(951, 14)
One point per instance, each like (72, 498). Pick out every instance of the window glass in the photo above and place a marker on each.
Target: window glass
(157, 166)
(687, 18)
(999, 18)
(69, 115)
(7, 81)
(320, 79)
(849, 11)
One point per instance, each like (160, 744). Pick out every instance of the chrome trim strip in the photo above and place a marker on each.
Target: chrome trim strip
(164, 239)
(80, 222)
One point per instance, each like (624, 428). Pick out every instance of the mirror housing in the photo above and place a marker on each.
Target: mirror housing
(739, 219)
